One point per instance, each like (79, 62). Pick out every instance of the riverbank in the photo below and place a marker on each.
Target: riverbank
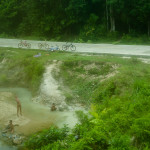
(36, 117)
(8, 110)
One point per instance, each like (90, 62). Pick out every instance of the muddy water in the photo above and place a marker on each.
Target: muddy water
(6, 147)
(37, 116)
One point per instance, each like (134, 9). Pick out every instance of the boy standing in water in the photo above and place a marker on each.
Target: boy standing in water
(18, 106)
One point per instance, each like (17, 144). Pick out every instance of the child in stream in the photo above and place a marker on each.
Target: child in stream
(9, 127)
(19, 110)
(53, 107)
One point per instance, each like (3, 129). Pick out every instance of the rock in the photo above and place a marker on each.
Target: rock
(17, 140)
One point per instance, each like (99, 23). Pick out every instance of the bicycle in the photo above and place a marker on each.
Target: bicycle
(54, 48)
(43, 45)
(24, 44)
(68, 46)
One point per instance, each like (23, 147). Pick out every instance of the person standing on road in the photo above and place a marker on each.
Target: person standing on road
(19, 109)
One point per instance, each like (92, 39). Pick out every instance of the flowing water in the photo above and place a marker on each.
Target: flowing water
(37, 116)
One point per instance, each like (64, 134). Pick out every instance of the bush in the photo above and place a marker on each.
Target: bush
(141, 131)
(46, 137)
(120, 142)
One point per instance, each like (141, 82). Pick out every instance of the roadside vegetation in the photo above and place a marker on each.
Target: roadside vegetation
(116, 91)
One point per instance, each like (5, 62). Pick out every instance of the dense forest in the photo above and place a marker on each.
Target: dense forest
(83, 20)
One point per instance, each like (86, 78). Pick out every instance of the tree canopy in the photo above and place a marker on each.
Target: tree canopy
(85, 19)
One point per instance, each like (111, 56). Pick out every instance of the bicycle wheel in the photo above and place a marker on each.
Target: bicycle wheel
(19, 45)
(28, 45)
(64, 47)
(72, 48)
(46, 46)
(40, 45)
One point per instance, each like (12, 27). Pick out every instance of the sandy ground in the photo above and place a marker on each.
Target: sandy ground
(50, 87)
(8, 110)
(35, 116)
(87, 48)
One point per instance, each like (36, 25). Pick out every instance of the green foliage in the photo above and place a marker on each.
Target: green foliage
(134, 39)
(103, 69)
(77, 75)
(105, 91)
(79, 20)
(120, 142)
(21, 70)
(3, 79)
(48, 136)
(141, 131)
(93, 140)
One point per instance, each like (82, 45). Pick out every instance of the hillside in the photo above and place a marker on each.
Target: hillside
(114, 90)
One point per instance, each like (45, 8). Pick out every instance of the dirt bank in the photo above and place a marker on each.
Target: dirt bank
(49, 89)
(50, 92)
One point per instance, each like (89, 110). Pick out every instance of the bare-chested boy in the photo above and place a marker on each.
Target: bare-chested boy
(10, 127)
(53, 107)
(19, 110)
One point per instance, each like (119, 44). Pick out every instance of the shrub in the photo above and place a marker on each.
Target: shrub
(141, 131)
(46, 137)
(120, 142)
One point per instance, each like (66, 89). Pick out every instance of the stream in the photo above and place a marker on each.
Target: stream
(6, 147)
(38, 116)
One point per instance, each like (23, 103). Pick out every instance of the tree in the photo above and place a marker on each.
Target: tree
(9, 16)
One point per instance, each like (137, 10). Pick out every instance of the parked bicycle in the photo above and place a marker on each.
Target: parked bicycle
(54, 48)
(68, 46)
(43, 45)
(24, 44)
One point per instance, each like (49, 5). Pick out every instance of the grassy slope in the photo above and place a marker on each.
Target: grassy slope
(120, 104)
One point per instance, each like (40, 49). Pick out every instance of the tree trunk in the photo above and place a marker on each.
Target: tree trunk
(129, 28)
(148, 28)
(107, 19)
(112, 19)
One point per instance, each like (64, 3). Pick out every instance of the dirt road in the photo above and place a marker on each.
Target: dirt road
(88, 48)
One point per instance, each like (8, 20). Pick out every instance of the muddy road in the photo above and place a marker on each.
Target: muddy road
(139, 50)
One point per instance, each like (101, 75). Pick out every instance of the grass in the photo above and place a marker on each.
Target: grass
(77, 71)
(120, 104)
